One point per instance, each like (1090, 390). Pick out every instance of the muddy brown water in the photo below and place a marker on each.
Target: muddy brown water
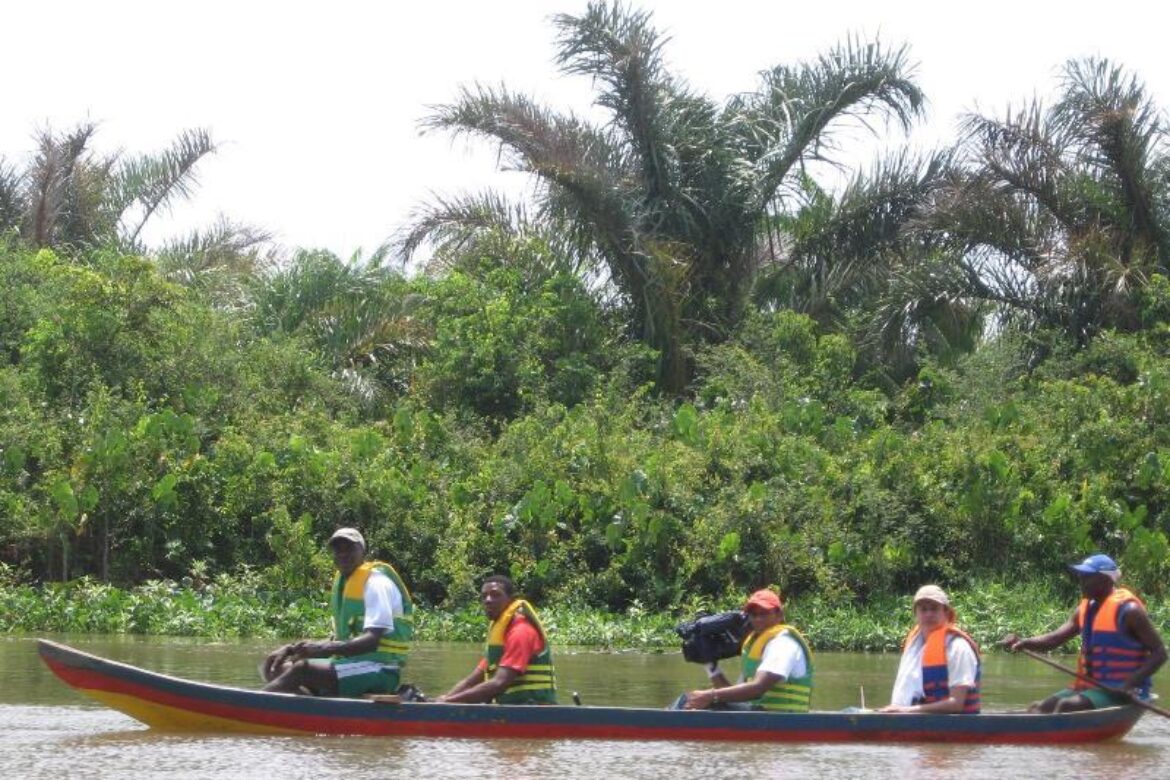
(51, 731)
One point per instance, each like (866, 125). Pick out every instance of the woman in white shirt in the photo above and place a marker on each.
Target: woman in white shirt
(940, 667)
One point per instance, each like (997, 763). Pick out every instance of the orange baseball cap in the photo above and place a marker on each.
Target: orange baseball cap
(764, 599)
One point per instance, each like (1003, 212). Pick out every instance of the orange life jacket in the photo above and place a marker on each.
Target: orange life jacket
(1108, 654)
(935, 681)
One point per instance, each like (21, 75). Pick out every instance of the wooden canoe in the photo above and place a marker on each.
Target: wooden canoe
(174, 704)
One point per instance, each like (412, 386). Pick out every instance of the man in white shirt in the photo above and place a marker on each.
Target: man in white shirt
(922, 686)
(777, 665)
(372, 623)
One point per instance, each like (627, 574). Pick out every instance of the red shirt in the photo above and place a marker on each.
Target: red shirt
(521, 642)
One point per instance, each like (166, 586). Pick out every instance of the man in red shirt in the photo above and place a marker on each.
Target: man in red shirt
(516, 667)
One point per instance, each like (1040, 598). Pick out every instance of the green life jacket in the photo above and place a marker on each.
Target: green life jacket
(349, 614)
(538, 684)
(792, 695)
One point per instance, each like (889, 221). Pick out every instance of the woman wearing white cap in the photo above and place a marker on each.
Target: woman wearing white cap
(940, 667)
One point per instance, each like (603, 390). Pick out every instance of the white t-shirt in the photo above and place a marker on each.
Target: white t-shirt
(382, 600)
(961, 668)
(784, 657)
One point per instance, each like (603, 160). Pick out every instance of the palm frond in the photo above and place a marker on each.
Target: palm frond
(563, 152)
(1107, 117)
(12, 204)
(621, 50)
(925, 307)
(150, 183)
(356, 332)
(532, 139)
(1022, 155)
(452, 222)
(972, 210)
(583, 170)
(791, 117)
(53, 202)
(369, 335)
(839, 249)
(220, 262)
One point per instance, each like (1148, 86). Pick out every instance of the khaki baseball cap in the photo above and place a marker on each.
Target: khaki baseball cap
(932, 593)
(349, 535)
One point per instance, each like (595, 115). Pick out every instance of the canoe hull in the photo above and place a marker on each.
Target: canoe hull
(173, 704)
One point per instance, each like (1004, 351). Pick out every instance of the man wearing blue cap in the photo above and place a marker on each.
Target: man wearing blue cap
(1120, 648)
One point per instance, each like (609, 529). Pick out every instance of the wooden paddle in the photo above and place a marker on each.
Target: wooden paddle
(1139, 702)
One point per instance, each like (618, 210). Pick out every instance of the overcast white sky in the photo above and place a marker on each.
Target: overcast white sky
(316, 105)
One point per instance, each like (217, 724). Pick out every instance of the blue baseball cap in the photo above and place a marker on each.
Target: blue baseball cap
(1097, 564)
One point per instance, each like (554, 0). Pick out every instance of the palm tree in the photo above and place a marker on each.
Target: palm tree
(833, 250)
(670, 196)
(856, 262)
(70, 196)
(358, 315)
(219, 263)
(10, 200)
(1063, 214)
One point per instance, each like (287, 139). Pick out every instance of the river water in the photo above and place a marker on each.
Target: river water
(51, 731)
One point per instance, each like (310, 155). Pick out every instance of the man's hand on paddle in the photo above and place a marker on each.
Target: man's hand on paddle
(1011, 643)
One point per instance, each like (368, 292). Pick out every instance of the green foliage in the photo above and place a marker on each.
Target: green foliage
(227, 606)
(358, 318)
(508, 335)
(240, 606)
(147, 437)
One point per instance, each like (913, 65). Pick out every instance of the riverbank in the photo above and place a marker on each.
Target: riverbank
(235, 607)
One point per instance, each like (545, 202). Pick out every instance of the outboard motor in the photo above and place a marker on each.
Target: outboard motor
(710, 638)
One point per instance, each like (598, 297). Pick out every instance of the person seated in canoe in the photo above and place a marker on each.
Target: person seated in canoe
(940, 669)
(1120, 648)
(516, 666)
(372, 628)
(776, 661)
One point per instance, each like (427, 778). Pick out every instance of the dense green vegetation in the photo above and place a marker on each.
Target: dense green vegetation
(239, 606)
(693, 371)
(147, 435)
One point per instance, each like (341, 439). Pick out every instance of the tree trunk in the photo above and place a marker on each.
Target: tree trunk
(106, 549)
(64, 558)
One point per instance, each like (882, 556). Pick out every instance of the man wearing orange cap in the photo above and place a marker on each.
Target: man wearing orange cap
(777, 665)
(940, 668)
